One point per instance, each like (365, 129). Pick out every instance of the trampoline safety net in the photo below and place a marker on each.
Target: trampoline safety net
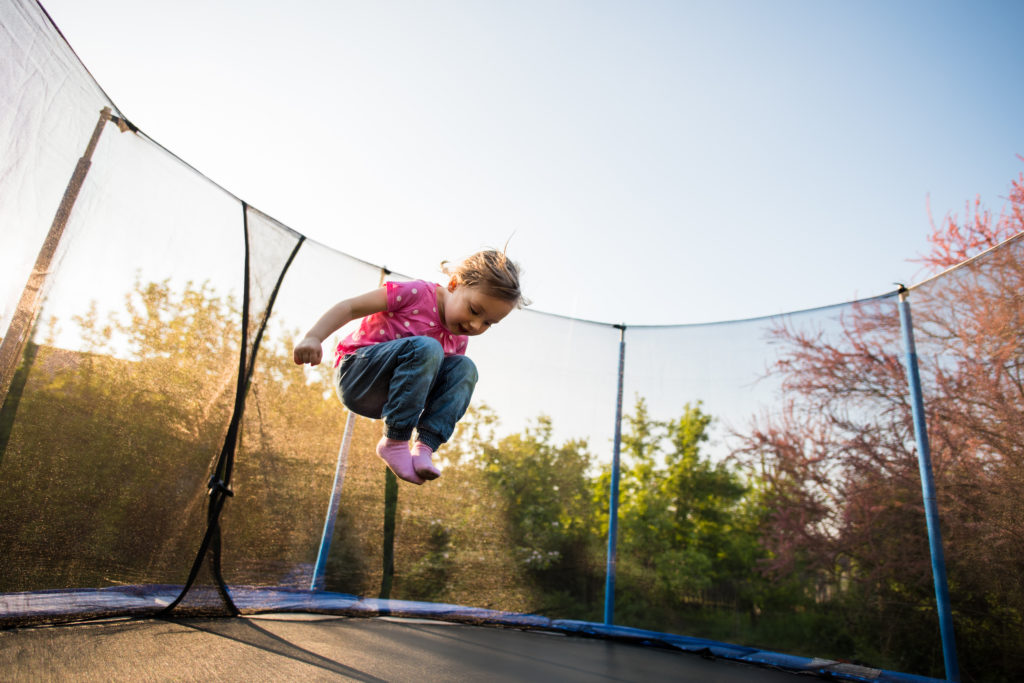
(161, 453)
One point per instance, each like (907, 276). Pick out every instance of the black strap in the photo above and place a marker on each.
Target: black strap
(220, 480)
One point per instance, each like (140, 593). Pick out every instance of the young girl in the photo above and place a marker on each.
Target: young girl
(406, 363)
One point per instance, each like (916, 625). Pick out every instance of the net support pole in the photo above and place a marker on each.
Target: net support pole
(928, 491)
(320, 569)
(613, 493)
(20, 328)
(387, 576)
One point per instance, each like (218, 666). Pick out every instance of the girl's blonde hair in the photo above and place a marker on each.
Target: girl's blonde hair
(491, 271)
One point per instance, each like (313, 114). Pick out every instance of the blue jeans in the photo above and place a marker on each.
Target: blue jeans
(409, 383)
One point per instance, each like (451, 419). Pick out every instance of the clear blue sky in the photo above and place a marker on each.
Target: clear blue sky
(656, 162)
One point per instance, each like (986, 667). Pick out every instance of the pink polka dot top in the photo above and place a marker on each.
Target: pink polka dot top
(412, 311)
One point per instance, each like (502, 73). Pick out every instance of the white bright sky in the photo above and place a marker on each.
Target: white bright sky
(653, 162)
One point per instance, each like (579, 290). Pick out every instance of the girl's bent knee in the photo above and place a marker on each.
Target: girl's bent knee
(427, 352)
(428, 346)
(463, 368)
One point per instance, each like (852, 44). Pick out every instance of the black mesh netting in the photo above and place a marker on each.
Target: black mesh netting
(770, 492)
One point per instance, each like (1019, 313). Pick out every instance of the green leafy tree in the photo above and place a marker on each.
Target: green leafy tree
(545, 491)
(111, 446)
(687, 529)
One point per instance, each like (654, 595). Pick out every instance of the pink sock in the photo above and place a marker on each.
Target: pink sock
(422, 463)
(396, 454)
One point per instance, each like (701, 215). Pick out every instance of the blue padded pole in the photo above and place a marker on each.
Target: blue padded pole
(613, 508)
(931, 511)
(332, 509)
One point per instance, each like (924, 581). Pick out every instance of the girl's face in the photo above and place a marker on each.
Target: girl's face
(467, 310)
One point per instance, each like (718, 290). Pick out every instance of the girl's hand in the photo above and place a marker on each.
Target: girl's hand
(309, 350)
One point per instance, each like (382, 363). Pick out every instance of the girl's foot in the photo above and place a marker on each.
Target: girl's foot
(396, 454)
(422, 463)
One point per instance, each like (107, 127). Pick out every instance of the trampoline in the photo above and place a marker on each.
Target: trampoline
(306, 635)
(317, 635)
(182, 503)
(311, 647)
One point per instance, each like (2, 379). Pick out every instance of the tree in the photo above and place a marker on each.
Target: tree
(548, 507)
(687, 526)
(142, 410)
(840, 465)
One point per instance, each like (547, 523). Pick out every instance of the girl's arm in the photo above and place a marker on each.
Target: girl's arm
(310, 350)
